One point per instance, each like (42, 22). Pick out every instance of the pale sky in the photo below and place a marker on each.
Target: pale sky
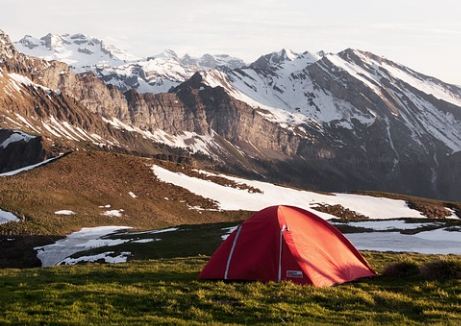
(422, 34)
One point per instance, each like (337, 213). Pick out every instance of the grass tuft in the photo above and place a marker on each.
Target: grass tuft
(402, 269)
(442, 270)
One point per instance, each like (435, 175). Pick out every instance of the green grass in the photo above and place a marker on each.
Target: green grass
(167, 292)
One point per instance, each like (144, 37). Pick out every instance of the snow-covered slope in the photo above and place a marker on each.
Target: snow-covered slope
(155, 74)
(17, 136)
(80, 51)
(161, 72)
(230, 198)
(346, 90)
(278, 82)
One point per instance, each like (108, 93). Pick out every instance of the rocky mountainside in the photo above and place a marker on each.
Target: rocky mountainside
(343, 122)
(389, 125)
(18, 149)
(68, 110)
(154, 74)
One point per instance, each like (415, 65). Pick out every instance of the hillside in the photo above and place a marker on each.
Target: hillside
(85, 182)
(154, 193)
(88, 188)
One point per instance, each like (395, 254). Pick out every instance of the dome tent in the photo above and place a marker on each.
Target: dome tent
(287, 243)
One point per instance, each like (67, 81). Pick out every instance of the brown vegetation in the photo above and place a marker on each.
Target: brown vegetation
(429, 210)
(190, 171)
(85, 180)
(442, 269)
(402, 269)
(340, 212)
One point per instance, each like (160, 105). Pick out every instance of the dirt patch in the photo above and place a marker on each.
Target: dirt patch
(226, 182)
(190, 171)
(341, 212)
(430, 210)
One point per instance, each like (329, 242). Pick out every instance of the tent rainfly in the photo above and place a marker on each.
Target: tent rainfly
(285, 243)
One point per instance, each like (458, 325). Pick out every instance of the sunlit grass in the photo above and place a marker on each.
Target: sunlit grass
(167, 292)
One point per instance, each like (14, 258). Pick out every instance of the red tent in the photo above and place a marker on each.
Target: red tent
(287, 243)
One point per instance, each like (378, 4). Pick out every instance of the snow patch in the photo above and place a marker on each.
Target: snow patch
(437, 241)
(145, 240)
(191, 141)
(65, 212)
(106, 257)
(235, 199)
(6, 217)
(85, 239)
(388, 225)
(132, 195)
(157, 231)
(228, 231)
(20, 80)
(114, 213)
(17, 136)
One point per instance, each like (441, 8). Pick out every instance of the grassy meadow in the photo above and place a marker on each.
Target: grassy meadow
(167, 292)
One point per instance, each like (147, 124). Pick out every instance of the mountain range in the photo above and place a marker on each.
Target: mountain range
(347, 121)
(153, 74)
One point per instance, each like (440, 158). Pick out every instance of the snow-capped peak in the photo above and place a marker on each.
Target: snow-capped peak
(157, 73)
(288, 54)
(283, 60)
(168, 54)
(299, 91)
(371, 69)
(211, 61)
(78, 50)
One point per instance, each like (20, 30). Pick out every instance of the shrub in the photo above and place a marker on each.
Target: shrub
(442, 270)
(402, 269)
(435, 211)
(345, 214)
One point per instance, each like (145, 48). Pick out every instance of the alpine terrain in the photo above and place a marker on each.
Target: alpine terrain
(347, 121)
(230, 163)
